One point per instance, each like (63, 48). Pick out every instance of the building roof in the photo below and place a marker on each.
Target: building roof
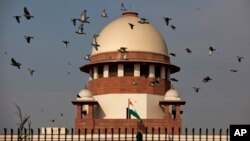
(143, 37)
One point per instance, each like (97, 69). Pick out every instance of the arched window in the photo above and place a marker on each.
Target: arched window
(128, 69)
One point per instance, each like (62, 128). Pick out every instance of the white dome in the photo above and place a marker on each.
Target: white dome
(143, 37)
(172, 94)
(85, 94)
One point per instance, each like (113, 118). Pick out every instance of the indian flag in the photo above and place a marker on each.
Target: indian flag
(132, 111)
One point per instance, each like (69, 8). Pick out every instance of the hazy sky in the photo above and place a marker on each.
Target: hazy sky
(223, 24)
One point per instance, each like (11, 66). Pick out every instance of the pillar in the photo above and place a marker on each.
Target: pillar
(95, 73)
(90, 74)
(151, 71)
(120, 70)
(163, 72)
(78, 111)
(106, 71)
(137, 70)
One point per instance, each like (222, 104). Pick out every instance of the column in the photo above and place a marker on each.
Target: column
(78, 111)
(163, 72)
(120, 70)
(90, 74)
(151, 71)
(137, 70)
(95, 73)
(166, 112)
(90, 111)
(178, 112)
(106, 71)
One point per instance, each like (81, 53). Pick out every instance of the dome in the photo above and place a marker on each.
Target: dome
(142, 38)
(85, 94)
(172, 94)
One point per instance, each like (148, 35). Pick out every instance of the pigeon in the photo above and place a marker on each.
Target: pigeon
(87, 57)
(27, 14)
(104, 13)
(173, 54)
(65, 43)
(122, 49)
(15, 63)
(84, 18)
(131, 25)
(188, 50)
(17, 18)
(31, 71)
(52, 120)
(143, 21)
(240, 58)
(206, 79)
(167, 19)
(123, 7)
(211, 50)
(28, 38)
(95, 44)
(233, 70)
(74, 21)
(196, 89)
(78, 96)
(80, 30)
(174, 79)
(173, 27)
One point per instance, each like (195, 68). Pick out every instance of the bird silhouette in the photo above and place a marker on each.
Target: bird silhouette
(131, 26)
(211, 50)
(240, 58)
(188, 50)
(173, 27)
(87, 57)
(123, 7)
(233, 70)
(174, 79)
(28, 38)
(122, 49)
(94, 43)
(61, 114)
(167, 19)
(27, 14)
(31, 71)
(143, 21)
(17, 18)
(206, 79)
(104, 13)
(84, 18)
(172, 54)
(74, 21)
(65, 43)
(15, 63)
(196, 89)
(80, 29)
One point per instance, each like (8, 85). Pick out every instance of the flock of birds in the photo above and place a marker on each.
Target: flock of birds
(206, 79)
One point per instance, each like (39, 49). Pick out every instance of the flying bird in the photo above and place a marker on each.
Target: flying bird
(31, 71)
(104, 13)
(206, 79)
(172, 54)
(84, 18)
(188, 50)
(232, 70)
(143, 21)
(87, 57)
(240, 58)
(17, 18)
(28, 38)
(174, 79)
(122, 49)
(173, 27)
(167, 19)
(95, 44)
(65, 43)
(27, 14)
(211, 50)
(80, 29)
(123, 7)
(15, 63)
(196, 89)
(74, 21)
(61, 114)
(131, 25)
(52, 120)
